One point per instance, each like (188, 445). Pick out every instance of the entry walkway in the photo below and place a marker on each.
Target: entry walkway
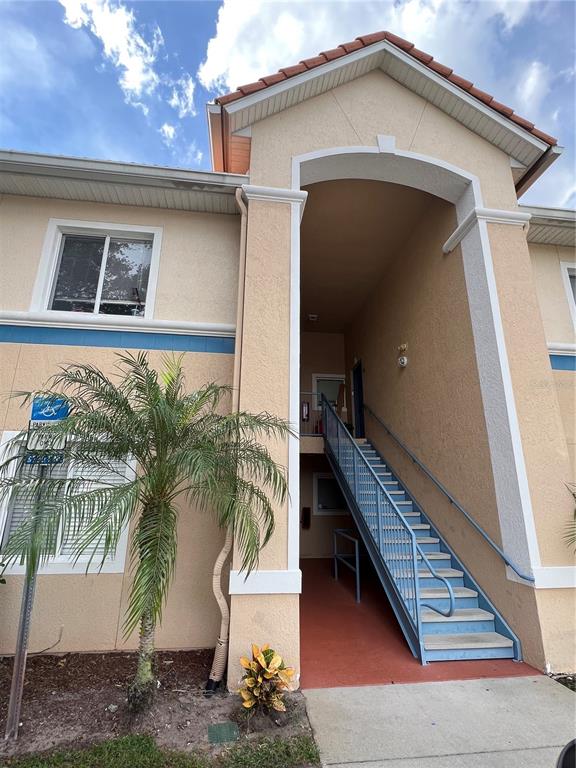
(349, 643)
(521, 722)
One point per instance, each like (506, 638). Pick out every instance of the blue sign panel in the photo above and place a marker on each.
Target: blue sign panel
(44, 459)
(48, 409)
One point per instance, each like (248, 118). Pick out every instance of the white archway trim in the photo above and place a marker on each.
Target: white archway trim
(463, 190)
(490, 215)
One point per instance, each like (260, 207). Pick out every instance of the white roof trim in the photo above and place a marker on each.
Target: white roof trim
(380, 52)
(100, 170)
(551, 226)
(102, 181)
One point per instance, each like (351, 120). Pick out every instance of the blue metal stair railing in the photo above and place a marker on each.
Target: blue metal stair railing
(510, 563)
(389, 539)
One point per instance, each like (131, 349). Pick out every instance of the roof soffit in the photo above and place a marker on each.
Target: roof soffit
(511, 138)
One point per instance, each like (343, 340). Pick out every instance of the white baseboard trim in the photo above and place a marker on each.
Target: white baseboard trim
(555, 577)
(266, 583)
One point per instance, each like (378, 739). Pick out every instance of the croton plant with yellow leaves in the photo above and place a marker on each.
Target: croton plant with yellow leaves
(265, 680)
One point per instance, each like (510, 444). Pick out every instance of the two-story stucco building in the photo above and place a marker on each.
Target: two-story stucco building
(359, 237)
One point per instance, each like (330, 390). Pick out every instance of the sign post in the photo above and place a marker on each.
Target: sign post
(44, 411)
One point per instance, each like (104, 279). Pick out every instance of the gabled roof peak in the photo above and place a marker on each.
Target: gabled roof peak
(364, 41)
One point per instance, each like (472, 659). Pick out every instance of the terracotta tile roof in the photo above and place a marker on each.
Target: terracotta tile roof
(363, 42)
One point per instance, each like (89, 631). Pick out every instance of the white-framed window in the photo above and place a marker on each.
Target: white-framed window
(15, 509)
(98, 268)
(569, 279)
(327, 498)
(327, 384)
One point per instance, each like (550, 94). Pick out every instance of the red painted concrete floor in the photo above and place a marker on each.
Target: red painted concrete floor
(345, 643)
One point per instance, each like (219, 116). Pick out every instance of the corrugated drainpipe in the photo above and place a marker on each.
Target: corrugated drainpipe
(221, 652)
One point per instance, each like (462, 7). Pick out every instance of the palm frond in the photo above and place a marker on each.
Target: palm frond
(153, 558)
(186, 443)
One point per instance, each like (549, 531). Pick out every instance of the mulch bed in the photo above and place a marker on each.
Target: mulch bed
(79, 699)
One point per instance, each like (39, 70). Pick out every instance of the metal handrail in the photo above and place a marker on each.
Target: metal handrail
(451, 498)
(416, 548)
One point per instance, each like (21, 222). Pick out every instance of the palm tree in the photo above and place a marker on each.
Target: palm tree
(570, 532)
(184, 445)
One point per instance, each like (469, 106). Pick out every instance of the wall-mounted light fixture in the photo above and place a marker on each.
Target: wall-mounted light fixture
(402, 357)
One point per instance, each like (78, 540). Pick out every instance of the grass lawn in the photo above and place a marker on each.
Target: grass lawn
(140, 751)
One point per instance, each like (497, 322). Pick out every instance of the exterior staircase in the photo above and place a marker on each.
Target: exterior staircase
(441, 609)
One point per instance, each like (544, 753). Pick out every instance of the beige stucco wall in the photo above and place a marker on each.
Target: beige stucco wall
(317, 541)
(435, 404)
(558, 328)
(90, 608)
(543, 403)
(320, 353)
(551, 291)
(355, 113)
(198, 270)
(541, 429)
(264, 385)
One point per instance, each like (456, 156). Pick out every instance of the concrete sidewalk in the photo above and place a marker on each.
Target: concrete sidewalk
(520, 722)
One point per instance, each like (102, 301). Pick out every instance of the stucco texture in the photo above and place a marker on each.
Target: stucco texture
(317, 540)
(435, 403)
(89, 609)
(552, 297)
(198, 270)
(558, 328)
(541, 428)
(355, 113)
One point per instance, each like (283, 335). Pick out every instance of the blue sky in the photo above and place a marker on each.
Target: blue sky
(128, 81)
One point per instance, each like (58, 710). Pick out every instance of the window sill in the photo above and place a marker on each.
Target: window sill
(60, 567)
(55, 319)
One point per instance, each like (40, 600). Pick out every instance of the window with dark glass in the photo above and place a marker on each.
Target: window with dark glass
(102, 275)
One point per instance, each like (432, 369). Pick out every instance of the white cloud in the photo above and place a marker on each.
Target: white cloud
(191, 155)
(533, 87)
(168, 133)
(182, 97)
(115, 26)
(254, 38)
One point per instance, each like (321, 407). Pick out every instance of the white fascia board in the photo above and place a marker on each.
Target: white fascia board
(551, 216)
(386, 48)
(538, 168)
(112, 171)
(211, 109)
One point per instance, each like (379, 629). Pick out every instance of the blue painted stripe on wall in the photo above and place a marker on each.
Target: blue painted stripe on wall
(563, 362)
(87, 337)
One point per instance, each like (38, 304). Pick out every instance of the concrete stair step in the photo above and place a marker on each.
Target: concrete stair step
(442, 592)
(466, 641)
(429, 555)
(447, 573)
(429, 616)
(414, 526)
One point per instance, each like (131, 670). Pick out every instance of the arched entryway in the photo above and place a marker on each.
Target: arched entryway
(391, 198)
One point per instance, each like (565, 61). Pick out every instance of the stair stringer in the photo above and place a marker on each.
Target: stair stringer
(484, 602)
